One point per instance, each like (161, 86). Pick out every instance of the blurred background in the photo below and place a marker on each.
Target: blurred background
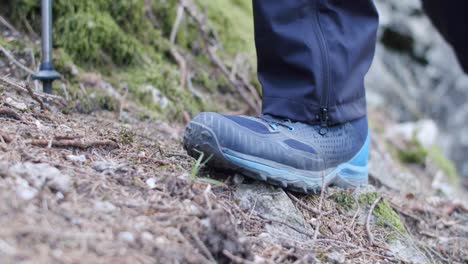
(177, 58)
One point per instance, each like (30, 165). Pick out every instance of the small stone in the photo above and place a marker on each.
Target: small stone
(40, 174)
(147, 236)
(105, 206)
(336, 257)
(151, 182)
(26, 192)
(59, 196)
(126, 237)
(18, 105)
(238, 179)
(192, 208)
(80, 159)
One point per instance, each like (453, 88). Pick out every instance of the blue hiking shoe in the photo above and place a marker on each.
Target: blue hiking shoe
(288, 154)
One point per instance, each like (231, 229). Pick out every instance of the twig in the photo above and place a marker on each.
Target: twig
(201, 245)
(322, 191)
(182, 65)
(13, 60)
(74, 144)
(358, 210)
(177, 21)
(7, 139)
(7, 112)
(286, 224)
(369, 215)
(311, 209)
(235, 259)
(20, 88)
(36, 98)
(8, 25)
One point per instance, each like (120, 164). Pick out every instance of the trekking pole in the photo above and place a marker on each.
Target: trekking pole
(47, 73)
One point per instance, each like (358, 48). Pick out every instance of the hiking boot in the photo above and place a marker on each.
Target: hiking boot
(292, 155)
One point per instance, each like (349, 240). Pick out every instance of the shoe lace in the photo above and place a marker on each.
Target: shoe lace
(274, 123)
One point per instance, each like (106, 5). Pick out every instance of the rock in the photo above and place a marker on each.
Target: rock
(273, 203)
(24, 191)
(108, 166)
(6, 249)
(336, 257)
(147, 236)
(238, 179)
(157, 96)
(151, 182)
(425, 131)
(79, 159)
(126, 237)
(105, 206)
(40, 174)
(192, 209)
(18, 105)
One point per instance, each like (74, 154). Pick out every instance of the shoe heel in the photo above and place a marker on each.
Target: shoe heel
(349, 178)
(355, 172)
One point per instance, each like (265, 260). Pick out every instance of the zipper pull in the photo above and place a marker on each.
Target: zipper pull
(323, 121)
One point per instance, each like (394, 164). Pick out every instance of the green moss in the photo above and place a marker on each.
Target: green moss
(95, 38)
(126, 136)
(116, 39)
(413, 153)
(344, 199)
(386, 216)
(446, 165)
(236, 16)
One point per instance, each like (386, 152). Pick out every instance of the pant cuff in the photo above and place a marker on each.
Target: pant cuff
(308, 113)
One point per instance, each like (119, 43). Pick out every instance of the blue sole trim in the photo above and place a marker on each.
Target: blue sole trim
(350, 174)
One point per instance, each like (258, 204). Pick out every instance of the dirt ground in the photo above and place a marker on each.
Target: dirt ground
(109, 187)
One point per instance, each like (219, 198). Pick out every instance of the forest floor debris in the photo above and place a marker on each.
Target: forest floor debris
(138, 198)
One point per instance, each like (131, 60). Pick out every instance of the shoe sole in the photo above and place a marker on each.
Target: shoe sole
(199, 138)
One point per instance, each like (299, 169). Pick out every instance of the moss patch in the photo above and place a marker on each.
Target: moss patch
(413, 153)
(386, 216)
(118, 40)
(344, 199)
(446, 165)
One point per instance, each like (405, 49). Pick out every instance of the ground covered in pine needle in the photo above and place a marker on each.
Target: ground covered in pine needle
(109, 187)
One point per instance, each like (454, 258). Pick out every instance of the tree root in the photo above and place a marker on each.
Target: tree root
(64, 143)
(8, 113)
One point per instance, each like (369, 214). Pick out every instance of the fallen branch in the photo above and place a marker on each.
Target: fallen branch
(235, 259)
(36, 98)
(7, 139)
(74, 144)
(369, 215)
(59, 100)
(7, 112)
(182, 65)
(14, 61)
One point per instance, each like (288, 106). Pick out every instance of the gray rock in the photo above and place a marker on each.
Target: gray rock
(151, 183)
(108, 166)
(336, 257)
(425, 131)
(18, 105)
(42, 174)
(79, 159)
(422, 79)
(126, 237)
(273, 203)
(105, 206)
(157, 96)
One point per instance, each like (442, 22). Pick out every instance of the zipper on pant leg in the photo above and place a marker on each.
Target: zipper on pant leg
(325, 96)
